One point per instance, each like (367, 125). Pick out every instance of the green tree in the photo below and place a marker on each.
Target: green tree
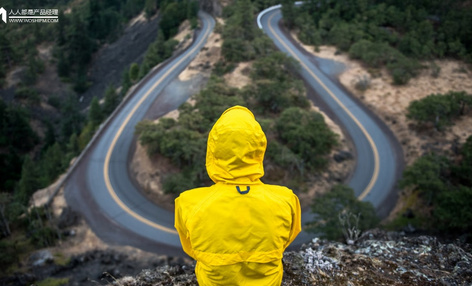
(214, 100)
(156, 52)
(50, 136)
(86, 135)
(439, 109)
(72, 119)
(307, 135)
(172, 15)
(428, 175)
(35, 66)
(239, 33)
(340, 200)
(111, 100)
(52, 164)
(29, 94)
(15, 128)
(10, 168)
(463, 170)
(289, 13)
(73, 145)
(79, 44)
(453, 209)
(28, 183)
(125, 83)
(150, 7)
(308, 32)
(94, 20)
(134, 72)
(16, 139)
(274, 87)
(95, 114)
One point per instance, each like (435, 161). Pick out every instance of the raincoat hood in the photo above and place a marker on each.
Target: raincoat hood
(235, 148)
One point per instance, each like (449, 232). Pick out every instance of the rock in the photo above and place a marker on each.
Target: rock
(342, 156)
(41, 258)
(68, 218)
(377, 258)
(409, 228)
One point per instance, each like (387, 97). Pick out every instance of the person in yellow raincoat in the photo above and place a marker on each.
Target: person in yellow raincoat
(237, 229)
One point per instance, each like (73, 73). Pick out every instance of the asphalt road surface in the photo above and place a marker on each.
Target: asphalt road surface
(101, 189)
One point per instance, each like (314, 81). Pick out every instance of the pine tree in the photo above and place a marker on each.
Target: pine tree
(111, 100)
(125, 83)
(288, 12)
(134, 71)
(28, 182)
(95, 113)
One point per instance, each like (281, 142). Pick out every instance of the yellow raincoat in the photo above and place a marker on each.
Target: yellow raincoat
(237, 229)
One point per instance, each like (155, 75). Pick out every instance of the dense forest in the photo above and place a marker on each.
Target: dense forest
(30, 161)
(300, 140)
(395, 34)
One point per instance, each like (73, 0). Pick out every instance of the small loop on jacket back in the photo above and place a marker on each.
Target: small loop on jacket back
(243, 192)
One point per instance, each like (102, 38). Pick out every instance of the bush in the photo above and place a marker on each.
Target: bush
(427, 174)
(362, 83)
(453, 209)
(29, 94)
(439, 109)
(284, 157)
(403, 69)
(307, 135)
(177, 183)
(340, 201)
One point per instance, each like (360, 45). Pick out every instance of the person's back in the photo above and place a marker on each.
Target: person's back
(237, 229)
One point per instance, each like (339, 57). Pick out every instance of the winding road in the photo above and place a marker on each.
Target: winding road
(100, 187)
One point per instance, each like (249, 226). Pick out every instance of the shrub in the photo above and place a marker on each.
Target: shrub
(362, 83)
(29, 94)
(340, 202)
(439, 109)
(307, 135)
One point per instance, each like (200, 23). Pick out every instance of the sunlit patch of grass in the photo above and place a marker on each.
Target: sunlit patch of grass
(60, 259)
(53, 282)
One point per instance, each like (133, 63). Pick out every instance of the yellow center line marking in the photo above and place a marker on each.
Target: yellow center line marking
(367, 135)
(120, 131)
